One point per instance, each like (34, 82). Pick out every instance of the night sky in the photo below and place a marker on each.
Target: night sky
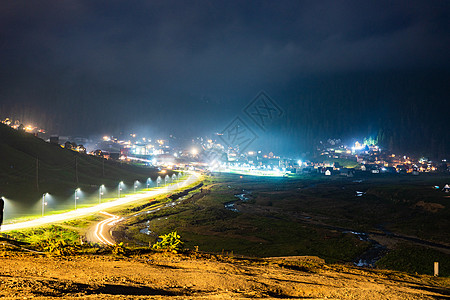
(336, 69)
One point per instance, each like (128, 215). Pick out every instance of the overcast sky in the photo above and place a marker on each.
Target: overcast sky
(191, 67)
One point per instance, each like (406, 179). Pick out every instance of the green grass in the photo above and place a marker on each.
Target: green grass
(207, 224)
(416, 259)
(78, 223)
(346, 163)
(44, 234)
(264, 237)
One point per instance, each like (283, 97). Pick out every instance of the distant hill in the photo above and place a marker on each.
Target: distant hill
(30, 167)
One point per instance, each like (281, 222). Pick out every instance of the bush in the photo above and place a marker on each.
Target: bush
(171, 241)
(44, 234)
(55, 240)
(59, 247)
(119, 249)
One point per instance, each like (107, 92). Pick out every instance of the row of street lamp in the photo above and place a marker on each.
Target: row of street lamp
(102, 187)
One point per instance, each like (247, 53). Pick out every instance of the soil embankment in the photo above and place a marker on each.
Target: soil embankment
(200, 276)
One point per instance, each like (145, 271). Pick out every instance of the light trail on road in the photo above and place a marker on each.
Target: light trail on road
(100, 228)
(82, 212)
(101, 233)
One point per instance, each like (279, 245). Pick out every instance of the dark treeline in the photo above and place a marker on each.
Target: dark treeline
(408, 113)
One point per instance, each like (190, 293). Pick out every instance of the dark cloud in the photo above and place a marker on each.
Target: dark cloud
(95, 66)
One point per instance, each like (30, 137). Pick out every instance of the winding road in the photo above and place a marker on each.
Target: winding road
(101, 233)
(83, 212)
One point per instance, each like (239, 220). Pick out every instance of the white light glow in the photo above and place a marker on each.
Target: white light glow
(83, 212)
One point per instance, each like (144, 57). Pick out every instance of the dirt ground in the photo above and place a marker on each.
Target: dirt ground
(202, 276)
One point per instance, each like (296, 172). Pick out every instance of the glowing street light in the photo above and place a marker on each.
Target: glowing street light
(43, 203)
(76, 197)
(87, 211)
(158, 181)
(119, 188)
(148, 182)
(135, 185)
(100, 193)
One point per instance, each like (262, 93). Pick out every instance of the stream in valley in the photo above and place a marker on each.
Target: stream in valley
(244, 197)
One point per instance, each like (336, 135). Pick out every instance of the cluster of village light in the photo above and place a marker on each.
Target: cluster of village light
(248, 169)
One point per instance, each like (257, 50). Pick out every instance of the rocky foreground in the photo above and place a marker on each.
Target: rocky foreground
(203, 276)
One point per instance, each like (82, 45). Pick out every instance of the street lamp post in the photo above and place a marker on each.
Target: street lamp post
(76, 197)
(119, 188)
(43, 203)
(100, 193)
(148, 182)
(135, 186)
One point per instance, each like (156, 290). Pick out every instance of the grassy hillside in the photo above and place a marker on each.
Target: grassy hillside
(30, 167)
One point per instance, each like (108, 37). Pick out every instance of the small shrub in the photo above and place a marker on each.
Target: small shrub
(55, 240)
(119, 249)
(171, 241)
(59, 247)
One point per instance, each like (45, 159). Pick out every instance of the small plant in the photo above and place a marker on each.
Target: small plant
(119, 249)
(59, 247)
(56, 240)
(171, 241)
